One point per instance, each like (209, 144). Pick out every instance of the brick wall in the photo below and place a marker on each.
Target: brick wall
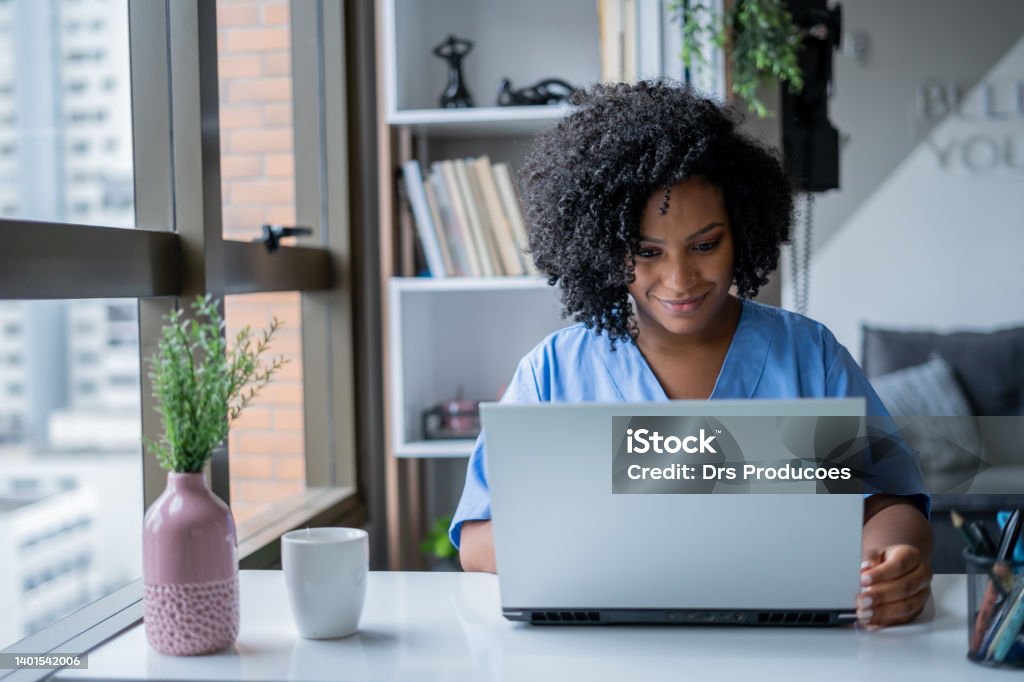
(257, 165)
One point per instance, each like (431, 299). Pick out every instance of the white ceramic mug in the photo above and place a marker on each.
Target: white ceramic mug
(325, 570)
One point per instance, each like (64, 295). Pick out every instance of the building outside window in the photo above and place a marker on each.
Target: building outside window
(74, 396)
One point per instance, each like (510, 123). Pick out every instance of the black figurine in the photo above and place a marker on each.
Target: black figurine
(547, 91)
(455, 96)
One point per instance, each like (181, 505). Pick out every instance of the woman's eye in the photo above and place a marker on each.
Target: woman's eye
(646, 253)
(704, 247)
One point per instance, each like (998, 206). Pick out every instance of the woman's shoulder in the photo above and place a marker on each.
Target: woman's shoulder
(567, 342)
(789, 327)
(563, 364)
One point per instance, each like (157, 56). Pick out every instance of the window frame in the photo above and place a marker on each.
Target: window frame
(177, 251)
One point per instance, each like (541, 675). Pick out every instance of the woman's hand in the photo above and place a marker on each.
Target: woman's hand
(895, 585)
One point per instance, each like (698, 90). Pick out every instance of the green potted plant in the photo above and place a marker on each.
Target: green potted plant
(189, 552)
(759, 36)
(438, 546)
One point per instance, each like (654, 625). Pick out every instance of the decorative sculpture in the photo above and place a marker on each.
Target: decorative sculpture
(455, 96)
(547, 91)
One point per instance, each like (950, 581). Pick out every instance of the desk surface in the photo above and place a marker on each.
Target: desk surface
(447, 626)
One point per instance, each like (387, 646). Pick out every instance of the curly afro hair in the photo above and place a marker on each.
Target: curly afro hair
(585, 184)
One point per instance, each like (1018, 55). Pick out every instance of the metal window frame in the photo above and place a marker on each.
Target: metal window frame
(178, 251)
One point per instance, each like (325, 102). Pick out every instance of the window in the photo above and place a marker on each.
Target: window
(258, 187)
(70, 486)
(87, 388)
(121, 313)
(118, 194)
(68, 60)
(267, 443)
(82, 378)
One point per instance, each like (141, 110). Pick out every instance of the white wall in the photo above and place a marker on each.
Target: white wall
(934, 238)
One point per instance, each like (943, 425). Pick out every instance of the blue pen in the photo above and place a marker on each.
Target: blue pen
(1018, 551)
(1008, 630)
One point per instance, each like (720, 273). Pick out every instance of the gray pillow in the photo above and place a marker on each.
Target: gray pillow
(934, 417)
(989, 365)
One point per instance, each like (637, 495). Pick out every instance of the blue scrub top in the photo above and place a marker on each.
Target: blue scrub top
(774, 354)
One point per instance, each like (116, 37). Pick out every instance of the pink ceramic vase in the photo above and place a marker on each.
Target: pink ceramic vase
(189, 570)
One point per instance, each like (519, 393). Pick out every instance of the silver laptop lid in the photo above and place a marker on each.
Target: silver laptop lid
(563, 540)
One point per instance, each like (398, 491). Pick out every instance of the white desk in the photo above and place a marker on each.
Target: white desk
(447, 626)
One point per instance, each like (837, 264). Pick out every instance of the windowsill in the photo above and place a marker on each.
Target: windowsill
(82, 630)
(258, 539)
(266, 528)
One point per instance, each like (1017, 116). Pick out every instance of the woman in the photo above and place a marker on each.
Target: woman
(660, 220)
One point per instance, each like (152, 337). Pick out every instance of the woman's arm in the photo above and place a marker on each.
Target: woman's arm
(476, 547)
(897, 551)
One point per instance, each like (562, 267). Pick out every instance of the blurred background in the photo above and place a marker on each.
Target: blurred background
(908, 141)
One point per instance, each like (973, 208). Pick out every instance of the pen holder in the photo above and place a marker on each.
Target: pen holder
(995, 611)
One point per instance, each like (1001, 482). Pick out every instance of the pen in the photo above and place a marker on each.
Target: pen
(986, 548)
(1012, 618)
(986, 618)
(981, 533)
(972, 542)
(1008, 539)
(1003, 519)
(984, 623)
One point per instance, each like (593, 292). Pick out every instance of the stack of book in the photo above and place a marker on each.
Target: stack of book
(468, 218)
(640, 39)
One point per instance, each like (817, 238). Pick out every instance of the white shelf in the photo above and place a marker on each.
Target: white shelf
(524, 41)
(458, 335)
(436, 449)
(439, 284)
(480, 121)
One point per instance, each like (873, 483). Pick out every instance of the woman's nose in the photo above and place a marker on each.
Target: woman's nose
(681, 276)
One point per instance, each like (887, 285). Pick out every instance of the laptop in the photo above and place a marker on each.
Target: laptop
(569, 551)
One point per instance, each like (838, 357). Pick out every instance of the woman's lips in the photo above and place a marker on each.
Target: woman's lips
(682, 306)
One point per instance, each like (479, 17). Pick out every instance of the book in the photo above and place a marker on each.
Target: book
(505, 263)
(460, 263)
(439, 228)
(509, 199)
(629, 42)
(501, 228)
(414, 192)
(460, 221)
(479, 237)
(609, 20)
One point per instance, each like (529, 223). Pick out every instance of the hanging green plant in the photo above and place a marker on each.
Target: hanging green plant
(759, 36)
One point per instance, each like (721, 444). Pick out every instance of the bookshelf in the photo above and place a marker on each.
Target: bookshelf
(479, 122)
(458, 335)
(470, 332)
(443, 333)
(524, 41)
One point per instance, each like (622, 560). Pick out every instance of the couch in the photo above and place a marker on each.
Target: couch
(976, 381)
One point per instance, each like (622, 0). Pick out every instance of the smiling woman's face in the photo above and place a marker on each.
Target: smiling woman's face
(684, 264)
